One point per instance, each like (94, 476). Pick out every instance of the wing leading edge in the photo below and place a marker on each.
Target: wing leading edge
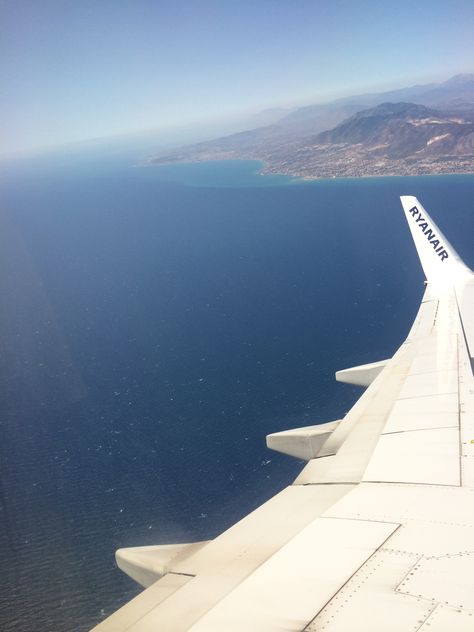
(377, 531)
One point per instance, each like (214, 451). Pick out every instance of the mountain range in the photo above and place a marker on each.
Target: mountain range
(412, 131)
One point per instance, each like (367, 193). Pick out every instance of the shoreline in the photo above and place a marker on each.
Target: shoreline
(266, 170)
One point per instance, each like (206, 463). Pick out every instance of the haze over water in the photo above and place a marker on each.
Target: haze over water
(157, 323)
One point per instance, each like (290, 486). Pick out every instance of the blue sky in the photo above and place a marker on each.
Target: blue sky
(75, 70)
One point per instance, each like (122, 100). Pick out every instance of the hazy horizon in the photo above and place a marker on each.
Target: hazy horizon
(194, 131)
(74, 73)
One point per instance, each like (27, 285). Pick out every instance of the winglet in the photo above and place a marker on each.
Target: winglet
(440, 262)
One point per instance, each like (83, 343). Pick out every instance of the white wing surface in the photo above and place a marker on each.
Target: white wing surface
(377, 531)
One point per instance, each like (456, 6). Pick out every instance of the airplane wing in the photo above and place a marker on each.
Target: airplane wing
(377, 531)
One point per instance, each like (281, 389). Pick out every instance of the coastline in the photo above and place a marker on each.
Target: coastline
(267, 170)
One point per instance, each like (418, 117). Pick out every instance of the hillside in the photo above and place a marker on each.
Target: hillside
(344, 138)
(400, 130)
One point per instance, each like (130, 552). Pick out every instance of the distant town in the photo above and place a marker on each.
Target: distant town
(350, 165)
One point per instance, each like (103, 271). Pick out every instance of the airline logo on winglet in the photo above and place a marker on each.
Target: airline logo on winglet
(429, 234)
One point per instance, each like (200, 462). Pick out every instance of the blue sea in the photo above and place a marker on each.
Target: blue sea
(156, 323)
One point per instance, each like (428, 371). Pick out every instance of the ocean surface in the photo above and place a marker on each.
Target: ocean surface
(156, 323)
